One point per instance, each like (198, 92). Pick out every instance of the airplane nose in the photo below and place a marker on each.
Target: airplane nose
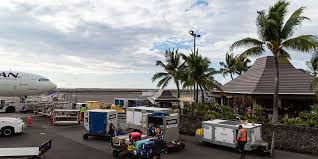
(53, 85)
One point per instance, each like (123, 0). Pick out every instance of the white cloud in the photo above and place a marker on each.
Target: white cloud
(99, 37)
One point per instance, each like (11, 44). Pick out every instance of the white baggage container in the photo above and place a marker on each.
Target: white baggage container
(97, 122)
(224, 132)
(135, 115)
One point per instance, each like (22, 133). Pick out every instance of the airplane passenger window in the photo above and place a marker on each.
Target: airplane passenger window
(43, 79)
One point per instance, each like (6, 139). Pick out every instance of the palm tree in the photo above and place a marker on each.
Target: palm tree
(189, 74)
(229, 67)
(172, 67)
(275, 34)
(313, 65)
(198, 72)
(241, 63)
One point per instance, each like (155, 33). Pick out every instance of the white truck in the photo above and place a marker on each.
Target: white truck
(6, 107)
(10, 126)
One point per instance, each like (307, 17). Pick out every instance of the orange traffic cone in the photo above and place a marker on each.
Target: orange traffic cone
(51, 120)
(29, 121)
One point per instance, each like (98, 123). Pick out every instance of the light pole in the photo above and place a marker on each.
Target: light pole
(196, 88)
(191, 32)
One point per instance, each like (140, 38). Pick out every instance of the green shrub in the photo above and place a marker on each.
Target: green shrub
(210, 111)
(306, 118)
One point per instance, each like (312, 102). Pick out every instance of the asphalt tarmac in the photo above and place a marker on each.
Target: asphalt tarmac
(68, 144)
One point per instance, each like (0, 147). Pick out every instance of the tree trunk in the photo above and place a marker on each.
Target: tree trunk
(178, 94)
(231, 76)
(276, 90)
(202, 94)
(197, 95)
(194, 92)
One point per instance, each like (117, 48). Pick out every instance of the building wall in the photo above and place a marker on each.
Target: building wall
(291, 138)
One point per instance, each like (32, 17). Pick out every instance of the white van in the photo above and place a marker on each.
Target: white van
(10, 126)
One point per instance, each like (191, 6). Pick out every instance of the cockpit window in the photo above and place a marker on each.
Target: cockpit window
(43, 79)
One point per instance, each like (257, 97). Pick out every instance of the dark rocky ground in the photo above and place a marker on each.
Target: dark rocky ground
(68, 144)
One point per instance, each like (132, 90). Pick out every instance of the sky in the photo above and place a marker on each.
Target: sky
(114, 44)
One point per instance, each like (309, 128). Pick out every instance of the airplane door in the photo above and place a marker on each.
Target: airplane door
(23, 80)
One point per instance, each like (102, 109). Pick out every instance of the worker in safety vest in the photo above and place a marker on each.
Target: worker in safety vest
(82, 111)
(241, 140)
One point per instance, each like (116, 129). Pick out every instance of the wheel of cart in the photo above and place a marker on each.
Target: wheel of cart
(174, 146)
(85, 136)
(116, 153)
(118, 149)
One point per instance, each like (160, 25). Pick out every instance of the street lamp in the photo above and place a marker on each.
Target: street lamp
(191, 32)
(196, 90)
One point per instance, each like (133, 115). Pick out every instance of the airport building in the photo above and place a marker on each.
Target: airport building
(256, 86)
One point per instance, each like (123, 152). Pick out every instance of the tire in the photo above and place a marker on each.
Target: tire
(182, 145)
(7, 131)
(10, 109)
(116, 153)
(85, 136)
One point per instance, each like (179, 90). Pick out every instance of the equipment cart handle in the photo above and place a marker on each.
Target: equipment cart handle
(26, 152)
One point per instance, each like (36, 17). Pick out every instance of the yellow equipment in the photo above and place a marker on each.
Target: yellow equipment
(130, 148)
(93, 105)
(199, 132)
(118, 109)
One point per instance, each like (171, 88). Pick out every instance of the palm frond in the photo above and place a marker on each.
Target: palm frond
(160, 63)
(314, 83)
(247, 42)
(294, 20)
(159, 75)
(164, 82)
(284, 54)
(303, 43)
(258, 50)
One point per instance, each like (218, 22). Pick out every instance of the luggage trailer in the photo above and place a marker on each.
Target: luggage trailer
(26, 152)
(224, 132)
(97, 122)
(139, 118)
(66, 116)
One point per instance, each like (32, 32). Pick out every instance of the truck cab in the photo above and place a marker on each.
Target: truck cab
(10, 126)
(6, 107)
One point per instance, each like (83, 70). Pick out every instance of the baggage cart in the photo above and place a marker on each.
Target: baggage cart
(26, 152)
(66, 116)
(97, 122)
(224, 132)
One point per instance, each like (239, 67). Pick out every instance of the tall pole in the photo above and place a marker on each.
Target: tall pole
(196, 85)
(194, 44)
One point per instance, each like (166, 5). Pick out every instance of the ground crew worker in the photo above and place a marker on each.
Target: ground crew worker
(29, 121)
(82, 110)
(241, 140)
(111, 132)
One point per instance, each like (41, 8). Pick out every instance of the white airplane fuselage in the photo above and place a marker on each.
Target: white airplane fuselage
(23, 84)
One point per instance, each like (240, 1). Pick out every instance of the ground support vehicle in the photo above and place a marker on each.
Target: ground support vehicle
(65, 116)
(26, 152)
(224, 132)
(98, 122)
(149, 148)
(144, 118)
(10, 126)
(6, 107)
(121, 143)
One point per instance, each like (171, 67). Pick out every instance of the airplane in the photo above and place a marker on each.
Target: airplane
(22, 84)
